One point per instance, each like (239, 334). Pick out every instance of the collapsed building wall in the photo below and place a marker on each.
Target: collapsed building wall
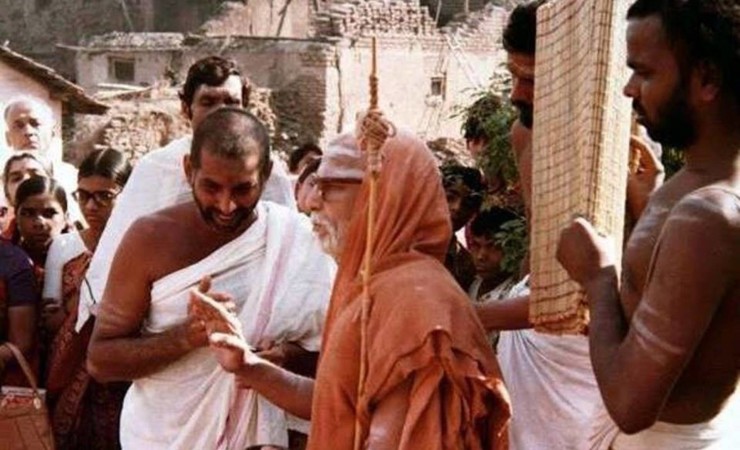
(36, 27)
(139, 122)
(318, 85)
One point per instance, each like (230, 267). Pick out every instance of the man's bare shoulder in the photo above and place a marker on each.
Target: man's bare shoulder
(158, 226)
(715, 204)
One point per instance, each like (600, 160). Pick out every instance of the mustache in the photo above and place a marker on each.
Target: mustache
(319, 219)
(637, 107)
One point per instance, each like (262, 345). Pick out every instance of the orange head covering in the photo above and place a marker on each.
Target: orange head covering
(412, 220)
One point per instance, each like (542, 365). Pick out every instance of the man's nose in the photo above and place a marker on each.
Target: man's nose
(226, 204)
(313, 198)
(630, 89)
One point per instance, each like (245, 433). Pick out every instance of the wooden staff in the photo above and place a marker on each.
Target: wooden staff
(374, 130)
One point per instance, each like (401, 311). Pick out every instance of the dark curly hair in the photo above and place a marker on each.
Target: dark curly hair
(490, 221)
(297, 155)
(477, 115)
(705, 31)
(212, 71)
(520, 34)
(452, 174)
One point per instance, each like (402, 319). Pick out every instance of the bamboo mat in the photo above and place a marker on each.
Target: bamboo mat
(580, 145)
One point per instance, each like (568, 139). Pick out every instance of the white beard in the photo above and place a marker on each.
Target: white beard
(330, 243)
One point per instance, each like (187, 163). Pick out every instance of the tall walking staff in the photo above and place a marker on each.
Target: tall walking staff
(372, 132)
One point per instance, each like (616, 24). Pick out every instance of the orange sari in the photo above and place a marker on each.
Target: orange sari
(85, 413)
(422, 329)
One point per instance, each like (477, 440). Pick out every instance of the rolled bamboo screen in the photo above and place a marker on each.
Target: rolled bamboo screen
(580, 145)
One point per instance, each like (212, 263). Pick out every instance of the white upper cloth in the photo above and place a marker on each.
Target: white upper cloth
(554, 396)
(66, 174)
(496, 294)
(63, 248)
(281, 282)
(158, 181)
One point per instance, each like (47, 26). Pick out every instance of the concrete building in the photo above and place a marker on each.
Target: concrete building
(319, 83)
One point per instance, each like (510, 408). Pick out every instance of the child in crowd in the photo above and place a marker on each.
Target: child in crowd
(492, 281)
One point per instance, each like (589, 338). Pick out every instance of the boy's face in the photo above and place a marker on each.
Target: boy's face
(486, 255)
(460, 204)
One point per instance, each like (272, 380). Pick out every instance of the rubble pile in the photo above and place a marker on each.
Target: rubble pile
(138, 123)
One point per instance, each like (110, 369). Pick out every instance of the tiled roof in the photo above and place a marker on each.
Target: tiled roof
(140, 41)
(63, 89)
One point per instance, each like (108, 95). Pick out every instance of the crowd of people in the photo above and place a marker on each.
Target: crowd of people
(208, 298)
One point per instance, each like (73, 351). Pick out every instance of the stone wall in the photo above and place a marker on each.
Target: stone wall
(450, 8)
(262, 18)
(34, 28)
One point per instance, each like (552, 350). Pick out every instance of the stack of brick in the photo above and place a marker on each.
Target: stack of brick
(357, 18)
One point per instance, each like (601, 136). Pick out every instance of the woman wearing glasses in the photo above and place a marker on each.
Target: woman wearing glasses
(85, 413)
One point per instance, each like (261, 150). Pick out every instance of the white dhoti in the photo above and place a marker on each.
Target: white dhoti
(281, 282)
(553, 389)
(720, 433)
(157, 181)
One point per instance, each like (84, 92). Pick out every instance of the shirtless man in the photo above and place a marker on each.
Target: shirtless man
(664, 340)
(280, 280)
(158, 181)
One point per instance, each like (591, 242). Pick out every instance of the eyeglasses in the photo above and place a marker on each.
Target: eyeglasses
(101, 198)
(324, 184)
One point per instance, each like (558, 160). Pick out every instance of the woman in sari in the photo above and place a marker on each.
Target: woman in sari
(85, 414)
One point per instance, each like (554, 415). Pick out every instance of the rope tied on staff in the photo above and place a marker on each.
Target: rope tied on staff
(372, 132)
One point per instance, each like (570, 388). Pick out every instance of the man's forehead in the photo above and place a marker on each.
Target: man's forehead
(25, 164)
(646, 39)
(231, 87)
(28, 110)
(456, 186)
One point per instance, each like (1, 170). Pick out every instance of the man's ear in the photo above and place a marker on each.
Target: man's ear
(187, 165)
(7, 139)
(185, 110)
(709, 81)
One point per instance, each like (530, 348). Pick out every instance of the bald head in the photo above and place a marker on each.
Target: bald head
(231, 133)
(30, 124)
(342, 159)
